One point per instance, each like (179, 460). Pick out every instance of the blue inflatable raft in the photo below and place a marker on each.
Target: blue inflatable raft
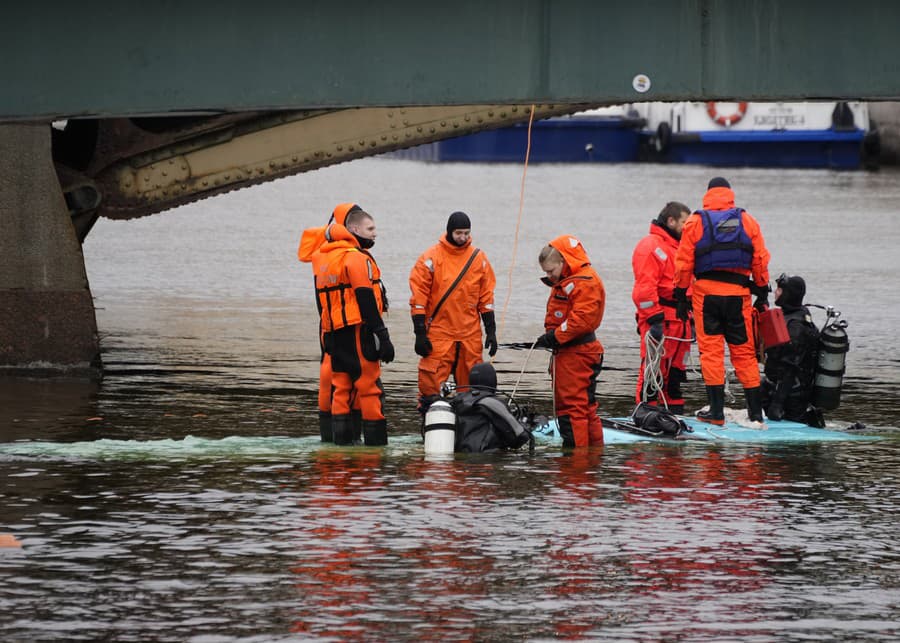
(621, 431)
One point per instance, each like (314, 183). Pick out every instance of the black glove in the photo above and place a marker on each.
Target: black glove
(423, 344)
(547, 340)
(490, 332)
(385, 347)
(656, 326)
(762, 296)
(682, 305)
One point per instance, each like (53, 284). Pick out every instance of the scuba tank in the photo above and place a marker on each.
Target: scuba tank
(831, 362)
(440, 428)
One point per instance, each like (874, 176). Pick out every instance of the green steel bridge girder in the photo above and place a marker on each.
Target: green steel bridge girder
(103, 59)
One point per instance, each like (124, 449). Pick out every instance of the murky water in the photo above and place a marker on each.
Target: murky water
(187, 498)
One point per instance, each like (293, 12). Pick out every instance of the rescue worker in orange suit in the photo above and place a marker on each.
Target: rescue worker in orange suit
(452, 285)
(574, 312)
(722, 251)
(653, 263)
(352, 300)
(311, 241)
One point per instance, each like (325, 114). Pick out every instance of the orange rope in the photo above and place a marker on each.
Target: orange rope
(512, 263)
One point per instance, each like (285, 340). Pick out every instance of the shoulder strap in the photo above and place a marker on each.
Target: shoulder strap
(462, 273)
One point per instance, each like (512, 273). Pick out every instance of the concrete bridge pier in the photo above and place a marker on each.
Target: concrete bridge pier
(47, 320)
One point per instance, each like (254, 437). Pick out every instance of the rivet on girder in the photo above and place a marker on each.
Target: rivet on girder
(272, 164)
(395, 137)
(227, 177)
(184, 167)
(362, 142)
(373, 143)
(455, 124)
(340, 148)
(165, 173)
(419, 128)
(146, 179)
(502, 114)
(480, 120)
(467, 118)
(384, 137)
(491, 114)
(294, 159)
(205, 183)
(349, 149)
(431, 129)
(443, 123)
(390, 114)
(328, 154)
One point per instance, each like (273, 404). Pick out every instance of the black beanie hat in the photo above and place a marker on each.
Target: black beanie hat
(458, 221)
(793, 290)
(483, 376)
(718, 182)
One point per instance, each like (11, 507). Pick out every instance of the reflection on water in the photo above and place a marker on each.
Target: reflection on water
(186, 496)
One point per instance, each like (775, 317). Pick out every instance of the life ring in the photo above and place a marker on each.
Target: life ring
(726, 120)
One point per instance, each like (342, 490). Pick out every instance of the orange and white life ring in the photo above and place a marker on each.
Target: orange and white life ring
(726, 120)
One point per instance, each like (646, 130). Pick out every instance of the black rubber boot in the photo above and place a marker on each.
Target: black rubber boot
(754, 403)
(356, 422)
(716, 412)
(343, 429)
(375, 432)
(564, 422)
(326, 431)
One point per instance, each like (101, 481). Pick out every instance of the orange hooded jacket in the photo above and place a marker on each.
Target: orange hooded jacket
(653, 263)
(340, 267)
(576, 304)
(435, 270)
(720, 199)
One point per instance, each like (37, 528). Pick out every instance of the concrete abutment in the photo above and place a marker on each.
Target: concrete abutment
(47, 319)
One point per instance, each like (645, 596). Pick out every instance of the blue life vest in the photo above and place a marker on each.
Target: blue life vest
(724, 243)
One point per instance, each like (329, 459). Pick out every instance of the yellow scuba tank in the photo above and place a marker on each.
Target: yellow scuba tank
(831, 362)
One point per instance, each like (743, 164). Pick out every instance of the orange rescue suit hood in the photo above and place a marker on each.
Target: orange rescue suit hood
(313, 238)
(718, 199)
(573, 253)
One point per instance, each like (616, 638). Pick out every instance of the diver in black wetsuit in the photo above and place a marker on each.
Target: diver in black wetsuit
(484, 422)
(790, 368)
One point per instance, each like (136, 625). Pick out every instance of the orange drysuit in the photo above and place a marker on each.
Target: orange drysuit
(721, 297)
(574, 312)
(311, 241)
(341, 267)
(455, 329)
(653, 263)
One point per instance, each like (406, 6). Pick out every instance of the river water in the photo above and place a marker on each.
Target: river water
(186, 497)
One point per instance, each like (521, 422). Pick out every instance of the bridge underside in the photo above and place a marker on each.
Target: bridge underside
(161, 108)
